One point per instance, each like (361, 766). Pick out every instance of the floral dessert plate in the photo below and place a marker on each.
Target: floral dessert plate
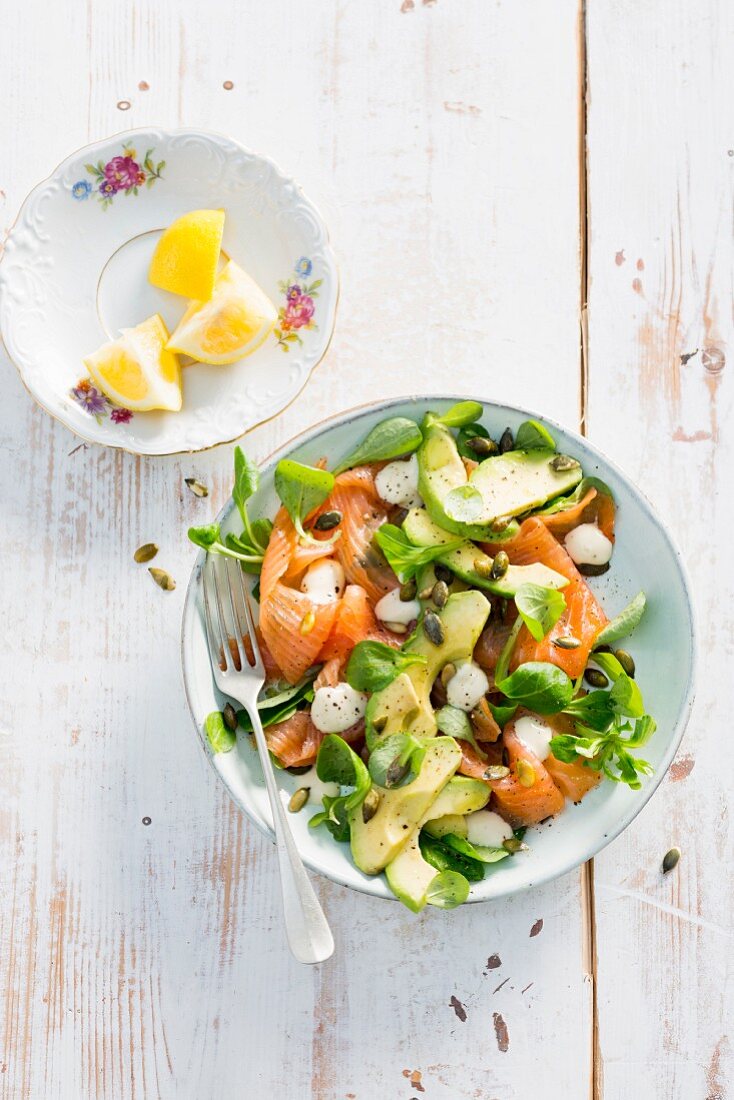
(74, 273)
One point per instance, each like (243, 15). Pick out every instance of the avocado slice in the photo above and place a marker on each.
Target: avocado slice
(409, 875)
(393, 709)
(440, 470)
(501, 486)
(377, 842)
(422, 531)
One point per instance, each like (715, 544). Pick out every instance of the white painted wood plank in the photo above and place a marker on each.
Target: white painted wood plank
(148, 961)
(661, 162)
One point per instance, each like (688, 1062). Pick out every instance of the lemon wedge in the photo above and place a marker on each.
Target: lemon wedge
(186, 257)
(136, 370)
(232, 324)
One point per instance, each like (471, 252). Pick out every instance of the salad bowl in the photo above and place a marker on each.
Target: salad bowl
(74, 272)
(645, 558)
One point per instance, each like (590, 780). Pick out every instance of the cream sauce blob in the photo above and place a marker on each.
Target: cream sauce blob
(467, 686)
(587, 545)
(324, 581)
(397, 483)
(335, 709)
(391, 609)
(535, 735)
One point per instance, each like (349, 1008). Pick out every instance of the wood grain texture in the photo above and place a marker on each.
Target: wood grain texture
(661, 356)
(148, 961)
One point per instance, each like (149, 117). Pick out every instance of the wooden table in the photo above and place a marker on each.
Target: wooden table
(530, 203)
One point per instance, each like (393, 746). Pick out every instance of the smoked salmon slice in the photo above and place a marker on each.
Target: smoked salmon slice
(355, 496)
(355, 622)
(594, 507)
(295, 628)
(518, 804)
(296, 740)
(583, 617)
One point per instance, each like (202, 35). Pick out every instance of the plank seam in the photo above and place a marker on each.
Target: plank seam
(588, 898)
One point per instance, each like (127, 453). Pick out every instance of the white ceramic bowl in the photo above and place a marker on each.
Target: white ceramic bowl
(75, 268)
(645, 557)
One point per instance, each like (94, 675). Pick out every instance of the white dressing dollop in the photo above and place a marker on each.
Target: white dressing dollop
(535, 735)
(397, 483)
(487, 829)
(317, 788)
(391, 609)
(467, 686)
(587, 545)
(324, 581)
(335, 709)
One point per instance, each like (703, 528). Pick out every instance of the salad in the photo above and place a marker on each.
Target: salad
(440, 674)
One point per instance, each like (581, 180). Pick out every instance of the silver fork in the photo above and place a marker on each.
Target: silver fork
(309, 935)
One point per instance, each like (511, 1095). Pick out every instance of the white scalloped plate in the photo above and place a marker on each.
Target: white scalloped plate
(663, 646)
(74, 272)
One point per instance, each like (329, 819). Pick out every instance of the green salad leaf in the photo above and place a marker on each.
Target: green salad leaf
(533, 436)
(302, 489)
(470, 431)
(502, 713)
(609, 752)
(405, 559)
(463, 412)
(448, 890)
(539, 686)
(503, 661)
(445, 858)
(540, 608)
(475, 851)
(338, 763)
(455, 723)
(562, 504)
(623, 624)
(219, 735)
(625, 695)
(249, 547)
(374, 665)
(594, 710)
(280, 705)
(388, 439)
(396, 760)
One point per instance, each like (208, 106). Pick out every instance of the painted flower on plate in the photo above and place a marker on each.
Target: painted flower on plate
(298, 311)
(304, 267)
(120, 416)
(121, 173)
(82, 189)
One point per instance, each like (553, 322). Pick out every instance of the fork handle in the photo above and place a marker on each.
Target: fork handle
(308, 932)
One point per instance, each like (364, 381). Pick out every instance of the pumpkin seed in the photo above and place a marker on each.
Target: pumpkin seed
(670, 860)
(443, 573)
(500, 565)
(308, 622)
(482, 446)
(425, 593)
(379, 723)
(626, 661)
(483, 566)
(408, 590)
(564, 462)
(197, 487)
(567, 642)
(327, 521)
(230, 717)
(398, 516)
(299, 799)
(397, 628)
(501, 523)
(146, 552)
(299, 769)
(589, 570)
(507, 441)
(433, 628)
(370, 805)
(512, 844)
(595, 678)
(163, 579)
(447, 672)
(440, 593)
(525, 773)
(396, 773)
(496, 771)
